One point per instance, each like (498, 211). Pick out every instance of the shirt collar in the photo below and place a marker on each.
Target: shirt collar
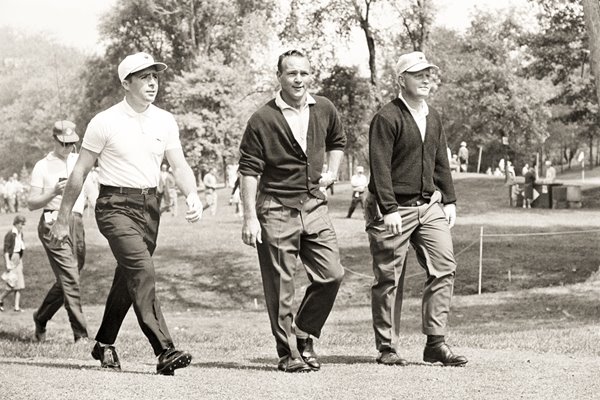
(283, 105)
(422, 110)
(132, 113)
(15, 231)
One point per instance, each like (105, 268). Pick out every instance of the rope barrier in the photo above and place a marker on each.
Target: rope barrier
(415, 274)
(539, 233)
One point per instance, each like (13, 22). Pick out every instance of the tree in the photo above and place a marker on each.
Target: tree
(39, 86)
(560, 52)
(482, 96)
(349, 92)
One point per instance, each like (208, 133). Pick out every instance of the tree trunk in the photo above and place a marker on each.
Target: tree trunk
(591, 10)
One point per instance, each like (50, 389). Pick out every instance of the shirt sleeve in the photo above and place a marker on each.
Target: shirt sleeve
(37, 175)
(94, 138)
(173, 141)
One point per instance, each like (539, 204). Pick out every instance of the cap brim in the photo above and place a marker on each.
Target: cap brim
(420, 67)
(72, 138)
(158, 66)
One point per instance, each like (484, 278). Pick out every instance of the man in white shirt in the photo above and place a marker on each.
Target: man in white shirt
(210, 183)
(48, 180)
(129, 141)
(359, 184)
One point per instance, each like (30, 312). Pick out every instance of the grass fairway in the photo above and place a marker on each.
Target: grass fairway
(532, 337)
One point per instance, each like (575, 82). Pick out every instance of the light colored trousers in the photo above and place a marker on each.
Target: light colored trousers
(288, 233)
(426, 228)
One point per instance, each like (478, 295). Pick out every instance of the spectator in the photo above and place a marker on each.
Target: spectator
(14, 246)
(463, 157)
(550, 172)
(210, 184)
(359, 183)
(528, 188)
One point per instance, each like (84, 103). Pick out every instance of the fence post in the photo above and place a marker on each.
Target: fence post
(480, 259)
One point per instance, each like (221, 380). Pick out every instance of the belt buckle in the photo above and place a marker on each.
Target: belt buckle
(145, 190)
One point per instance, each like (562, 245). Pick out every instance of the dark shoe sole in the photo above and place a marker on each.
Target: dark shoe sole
(96, 356)
(456, 364)
(396, 364)
(180, 362)
(297, 370)
(40, 334)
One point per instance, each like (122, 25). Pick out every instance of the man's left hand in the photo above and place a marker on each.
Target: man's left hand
(194, 211)
(450, 211)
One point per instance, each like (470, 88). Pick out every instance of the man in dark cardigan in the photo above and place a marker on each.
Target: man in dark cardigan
(285, 212)
(411, 200)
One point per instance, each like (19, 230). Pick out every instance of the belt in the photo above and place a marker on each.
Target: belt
(104, 189)
(417, 203)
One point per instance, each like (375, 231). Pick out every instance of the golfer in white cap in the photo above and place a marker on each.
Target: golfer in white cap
(129, 140)
(411, 200)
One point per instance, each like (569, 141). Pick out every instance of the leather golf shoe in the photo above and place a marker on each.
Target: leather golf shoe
(292, 365)
(172, 359)
(40, 329)
(441, 353)
(107, 355)
(390, 357)
(307, 351)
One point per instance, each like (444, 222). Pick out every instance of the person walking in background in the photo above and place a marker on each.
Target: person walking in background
(3, 205)
(210, 185)
(12, 189)
(285, 144)
(525, 169)
(411, 200)
(528, 187)
(550, 172)
(236, 199)
(161, 192)
(463, 157)
(48, 180)
(129, 140)
(359, 183)
(14, 246)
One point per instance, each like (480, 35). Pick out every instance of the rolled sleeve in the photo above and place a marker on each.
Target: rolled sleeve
(252, 160)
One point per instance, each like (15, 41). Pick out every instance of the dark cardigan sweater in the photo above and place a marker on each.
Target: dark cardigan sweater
(269, 149)
(404, 168)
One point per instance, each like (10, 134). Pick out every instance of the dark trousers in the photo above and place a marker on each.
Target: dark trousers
(357, 198)
(426, 228)
(66, 260)
(287, 234)
(130, 224)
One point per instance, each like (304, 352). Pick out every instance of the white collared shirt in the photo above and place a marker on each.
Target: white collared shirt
(19, 243)
(131, 145)
(48, 171)
(296, 119)
(419, 115)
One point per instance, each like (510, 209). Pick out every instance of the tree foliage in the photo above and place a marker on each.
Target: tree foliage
(39, 85)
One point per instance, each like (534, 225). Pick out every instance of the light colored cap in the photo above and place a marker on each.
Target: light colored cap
(360, 169)
(413, 62)
(463, 143)
(137, 62)
(64, 131)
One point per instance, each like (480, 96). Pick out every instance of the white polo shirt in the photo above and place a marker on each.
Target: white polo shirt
(46, 173)
(296, 119)
(131, 145)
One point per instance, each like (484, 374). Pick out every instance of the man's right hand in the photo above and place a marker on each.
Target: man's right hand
(59, 232)
(393, 223)
(251, 232)
(59, 188)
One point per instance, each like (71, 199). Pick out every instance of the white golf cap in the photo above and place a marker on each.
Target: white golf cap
(137, 62)
(413, 62)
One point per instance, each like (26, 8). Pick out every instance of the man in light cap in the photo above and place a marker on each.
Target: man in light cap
(463, 157)
(129, 141)
(48, 180)
(411, 200)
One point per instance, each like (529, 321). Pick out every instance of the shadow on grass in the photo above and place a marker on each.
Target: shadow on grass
(73, 367)
(233, 365)
(13, 337)
(333, 359)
